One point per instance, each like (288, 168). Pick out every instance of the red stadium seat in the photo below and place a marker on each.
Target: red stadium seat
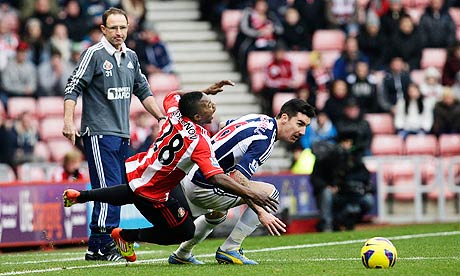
(449, 145)
(421, 145)
(433, 57)
(41, 171)
(387, 144)
(400, 174)
(17, 105)
(50, 106)
(257, 81)
(42, 151)
(455, 14)
(417, 76)
(415, 14)
(58, 148)
(329, 58)
(136, 107)
(2, 110)
(230, 38)
(327, 40)
(300, 58)
(380, 123)
(50, 128)
(231, 19)
(161, 82)
(258, 60)
(6, 174)
(279, 99)
(230, 22)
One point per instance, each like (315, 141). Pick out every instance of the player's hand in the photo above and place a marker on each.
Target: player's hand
(273, 224)
(69, 131)
(263, 200)
(218, 87)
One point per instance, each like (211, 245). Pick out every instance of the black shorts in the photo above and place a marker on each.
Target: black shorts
(170, 214)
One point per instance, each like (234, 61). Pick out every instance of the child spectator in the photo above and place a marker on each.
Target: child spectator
(25, 137)
(71, 169)
(446, 114)
(431, 88)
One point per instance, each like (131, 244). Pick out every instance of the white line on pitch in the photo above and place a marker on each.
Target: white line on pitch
(404, 237)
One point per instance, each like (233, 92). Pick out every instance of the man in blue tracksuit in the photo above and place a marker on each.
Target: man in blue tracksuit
(106, 76)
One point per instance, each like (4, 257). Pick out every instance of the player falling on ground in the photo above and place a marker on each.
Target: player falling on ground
(240, 147)
(181, 143)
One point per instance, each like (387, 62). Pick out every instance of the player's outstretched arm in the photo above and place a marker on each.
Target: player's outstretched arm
(229, 185)
(217, 87)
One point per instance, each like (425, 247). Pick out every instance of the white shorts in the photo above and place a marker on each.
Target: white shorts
(203, 200)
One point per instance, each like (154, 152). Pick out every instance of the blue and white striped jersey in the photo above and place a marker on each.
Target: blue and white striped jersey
(243, 144)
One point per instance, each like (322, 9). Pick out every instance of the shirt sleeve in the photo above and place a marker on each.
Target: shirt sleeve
(81, 76)
(171, 102)
(204, 157)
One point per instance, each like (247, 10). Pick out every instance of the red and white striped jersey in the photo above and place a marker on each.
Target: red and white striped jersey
(180, 144)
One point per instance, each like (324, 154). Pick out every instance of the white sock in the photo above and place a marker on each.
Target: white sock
(202, 230)
(247, 223)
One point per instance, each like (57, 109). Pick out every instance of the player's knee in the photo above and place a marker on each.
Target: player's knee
(216, 217)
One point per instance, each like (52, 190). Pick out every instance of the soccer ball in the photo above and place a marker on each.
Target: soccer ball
(378, 252)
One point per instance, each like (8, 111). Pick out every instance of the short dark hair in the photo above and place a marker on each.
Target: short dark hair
(294, 106)
(111, 11)
(188, 104)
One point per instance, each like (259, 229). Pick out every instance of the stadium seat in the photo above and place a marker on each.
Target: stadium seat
(258, 60)
(42, 171)
(50, 128)
(327, 40)
(300, 58)
(279, 99)
(230, 20)
(257, 81)
(79, 107)
(17, 105)
(2, 110)
(421, 145)
(449, 145)
(6, 174)
(415, 14)
(417, 76)
(433, 57)
(58, 148)
(400, 175)
(329, 58)
(380, 123)
(387, 144)
(161, 82)
(136, 107)
(50, 106)
(42, 151)
(230, 38)
(455, 14)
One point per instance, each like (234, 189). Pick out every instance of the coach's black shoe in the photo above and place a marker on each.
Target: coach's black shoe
(111, 254)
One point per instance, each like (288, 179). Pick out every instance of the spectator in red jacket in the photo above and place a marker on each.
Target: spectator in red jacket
(280, 76)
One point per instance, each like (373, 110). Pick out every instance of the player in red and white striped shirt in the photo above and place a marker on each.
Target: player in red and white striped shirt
(181, 143)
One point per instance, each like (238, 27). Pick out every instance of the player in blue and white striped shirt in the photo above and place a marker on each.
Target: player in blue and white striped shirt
(241, 146)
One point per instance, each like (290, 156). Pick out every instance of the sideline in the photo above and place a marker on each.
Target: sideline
(403, 237)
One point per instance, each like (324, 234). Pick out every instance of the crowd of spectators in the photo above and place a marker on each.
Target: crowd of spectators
(380, 69)
(382, 50)
(41, 42)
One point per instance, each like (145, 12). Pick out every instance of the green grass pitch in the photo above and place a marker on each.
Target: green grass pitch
(426, 249)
